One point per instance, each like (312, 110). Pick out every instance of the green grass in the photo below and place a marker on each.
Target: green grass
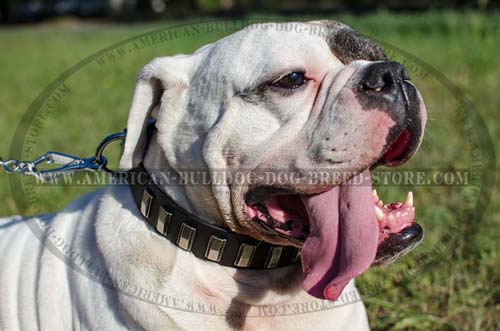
(458, 289)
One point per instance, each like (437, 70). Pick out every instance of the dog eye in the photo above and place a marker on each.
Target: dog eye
(291, 81)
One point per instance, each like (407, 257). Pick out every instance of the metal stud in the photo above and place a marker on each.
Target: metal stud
(215, 248)
(296, 257)
(273, 257)
(245, 255)
(186, 237)
(147, 198)
(163, 220)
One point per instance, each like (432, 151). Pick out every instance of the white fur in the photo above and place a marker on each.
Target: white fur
(39, 290)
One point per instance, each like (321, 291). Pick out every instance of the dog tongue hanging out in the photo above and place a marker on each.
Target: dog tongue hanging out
(342, 241)
(345, 227)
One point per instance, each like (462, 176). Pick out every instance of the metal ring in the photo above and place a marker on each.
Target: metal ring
(100, 158)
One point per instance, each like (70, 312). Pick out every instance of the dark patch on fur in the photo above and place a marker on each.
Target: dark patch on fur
(349, 45)
(236, 314)
(398, 99)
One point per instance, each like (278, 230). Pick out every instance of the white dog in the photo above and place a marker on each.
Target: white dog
(299, 98)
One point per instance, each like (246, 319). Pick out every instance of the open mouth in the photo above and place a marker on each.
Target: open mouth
(287, 215)
(343, 230)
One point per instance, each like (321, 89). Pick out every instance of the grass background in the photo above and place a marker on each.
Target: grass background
(458, 289)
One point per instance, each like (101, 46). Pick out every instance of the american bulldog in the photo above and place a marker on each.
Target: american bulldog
(294, 98)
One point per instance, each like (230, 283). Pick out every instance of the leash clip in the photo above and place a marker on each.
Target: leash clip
(68, 163)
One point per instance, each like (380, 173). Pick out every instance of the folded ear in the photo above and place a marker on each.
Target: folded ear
(155, 78)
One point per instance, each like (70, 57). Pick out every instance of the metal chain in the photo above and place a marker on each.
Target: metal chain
(10, 166)
(69, 163)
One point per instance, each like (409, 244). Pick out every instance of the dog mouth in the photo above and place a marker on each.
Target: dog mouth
(343, 230)
(287, 215)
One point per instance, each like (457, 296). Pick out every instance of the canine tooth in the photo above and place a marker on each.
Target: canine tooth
(409, 199)
(379, 213)
(375, 195)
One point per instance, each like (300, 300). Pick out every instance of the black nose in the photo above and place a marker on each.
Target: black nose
(383, 77)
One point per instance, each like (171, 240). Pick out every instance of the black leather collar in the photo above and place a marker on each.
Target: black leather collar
(205, 240)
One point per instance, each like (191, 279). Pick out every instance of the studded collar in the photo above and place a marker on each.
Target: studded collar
(205, 240)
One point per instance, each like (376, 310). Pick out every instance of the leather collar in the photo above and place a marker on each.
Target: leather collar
(205, 240)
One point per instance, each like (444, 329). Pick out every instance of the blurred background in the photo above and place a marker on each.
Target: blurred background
(84, 56)
(34, 10)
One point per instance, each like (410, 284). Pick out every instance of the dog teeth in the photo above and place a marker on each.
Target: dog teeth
(379, 213)
(409, 199)
(378, 201)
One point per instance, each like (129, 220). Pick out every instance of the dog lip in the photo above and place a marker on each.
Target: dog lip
(398, 150)
(407, 134)
(398, 244)
(258, 194)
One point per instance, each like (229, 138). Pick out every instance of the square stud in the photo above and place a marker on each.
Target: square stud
(273, 257)
(215, 248)
(163, 221)
(245, 255)
(186, 237)
(147, 199)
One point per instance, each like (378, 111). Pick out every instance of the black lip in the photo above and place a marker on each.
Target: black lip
(401, 102)
(398, 244)
(412, 123)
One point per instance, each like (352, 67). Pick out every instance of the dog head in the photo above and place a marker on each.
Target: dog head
(277, 105)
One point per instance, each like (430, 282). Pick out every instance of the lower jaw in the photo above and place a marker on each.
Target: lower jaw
(389, 249)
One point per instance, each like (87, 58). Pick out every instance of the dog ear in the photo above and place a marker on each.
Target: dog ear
(155, 78)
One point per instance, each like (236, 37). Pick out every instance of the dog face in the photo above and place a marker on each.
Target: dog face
(297, 99)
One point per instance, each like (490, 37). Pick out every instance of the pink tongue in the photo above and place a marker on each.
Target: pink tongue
(343, 237)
